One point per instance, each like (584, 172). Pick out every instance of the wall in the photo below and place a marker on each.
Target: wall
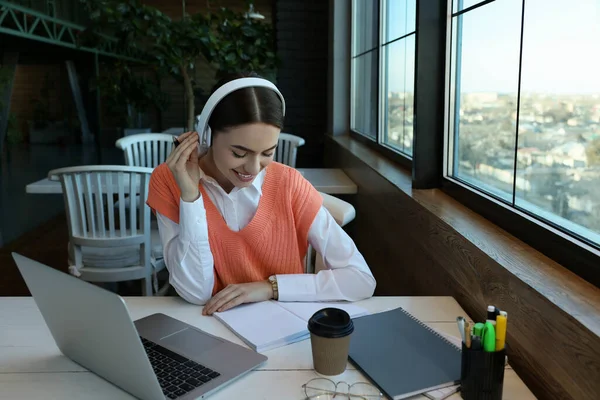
(302, 43)
(424, 243)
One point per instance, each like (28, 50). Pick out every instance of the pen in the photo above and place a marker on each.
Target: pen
(478, 329)
(468, 334)
(175, 142)
(489, 337)
(461, 327)
(500, 332)
(491, 315)
(476, 344)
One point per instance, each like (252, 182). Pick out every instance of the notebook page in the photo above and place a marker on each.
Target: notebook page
(441, 394)
(306, 310)
(261, 324)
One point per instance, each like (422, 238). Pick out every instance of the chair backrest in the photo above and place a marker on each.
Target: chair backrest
(89, 193)
(343, 213)
(287, 149)
(146, 149)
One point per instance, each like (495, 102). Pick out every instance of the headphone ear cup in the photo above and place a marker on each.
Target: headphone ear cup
(205, 137)
(208, 139)
(204, 142)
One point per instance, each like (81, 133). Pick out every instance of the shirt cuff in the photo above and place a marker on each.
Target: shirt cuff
(192, 216)
(297, 287)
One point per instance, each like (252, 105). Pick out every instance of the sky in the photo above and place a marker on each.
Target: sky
(561, 46)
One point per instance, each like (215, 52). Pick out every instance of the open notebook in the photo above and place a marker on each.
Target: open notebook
(270, 324)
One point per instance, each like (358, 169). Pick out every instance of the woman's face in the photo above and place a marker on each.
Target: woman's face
(243, 151)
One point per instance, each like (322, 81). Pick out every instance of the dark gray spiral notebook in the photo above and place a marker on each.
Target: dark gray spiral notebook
(403, 356)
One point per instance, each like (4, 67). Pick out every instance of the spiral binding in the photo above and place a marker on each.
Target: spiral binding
(428, 328)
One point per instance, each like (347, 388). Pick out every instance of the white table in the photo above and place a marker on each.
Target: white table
(329, 180)
(326, 180)
(32, 367)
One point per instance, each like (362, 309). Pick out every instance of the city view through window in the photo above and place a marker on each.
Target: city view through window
(399, 74)
(524, 99)
(396, 49)
(539, 152)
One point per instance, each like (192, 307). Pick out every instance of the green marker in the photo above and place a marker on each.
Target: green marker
(489, 337)
(478, 329)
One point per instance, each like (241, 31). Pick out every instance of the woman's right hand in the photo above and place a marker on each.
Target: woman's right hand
(183, 163)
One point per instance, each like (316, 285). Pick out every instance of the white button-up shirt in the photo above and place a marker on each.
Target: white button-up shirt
(190, 261)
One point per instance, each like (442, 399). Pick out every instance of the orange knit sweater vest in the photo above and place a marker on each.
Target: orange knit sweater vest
(274, 242)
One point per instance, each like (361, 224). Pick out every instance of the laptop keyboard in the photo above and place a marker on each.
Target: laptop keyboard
(176, 374)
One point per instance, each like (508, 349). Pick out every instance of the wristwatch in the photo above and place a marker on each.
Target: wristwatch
(273, 280)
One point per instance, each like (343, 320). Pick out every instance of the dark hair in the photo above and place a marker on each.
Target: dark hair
(247, 105)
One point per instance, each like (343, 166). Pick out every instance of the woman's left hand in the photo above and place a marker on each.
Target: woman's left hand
(234, 295)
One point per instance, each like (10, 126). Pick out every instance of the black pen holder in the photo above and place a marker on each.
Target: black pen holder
(482, 374)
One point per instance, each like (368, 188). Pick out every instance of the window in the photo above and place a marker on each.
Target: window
(524, 108)
(383, 69)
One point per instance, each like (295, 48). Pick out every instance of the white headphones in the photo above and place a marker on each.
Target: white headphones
(202, 120)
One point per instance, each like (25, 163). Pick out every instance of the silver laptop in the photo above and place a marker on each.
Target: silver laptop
(156, 357)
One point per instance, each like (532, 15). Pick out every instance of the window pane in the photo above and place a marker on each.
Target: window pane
(364, 94)
(459, 5)
(401, 16)
(558, 170)
(486, 64)
(365, 26)
(399, 94)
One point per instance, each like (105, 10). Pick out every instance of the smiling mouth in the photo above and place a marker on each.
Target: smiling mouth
(244, 177)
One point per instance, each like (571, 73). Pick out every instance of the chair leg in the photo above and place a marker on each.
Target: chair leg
(147, 286)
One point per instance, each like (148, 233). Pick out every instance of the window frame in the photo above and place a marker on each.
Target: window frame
(377, 143)
(575, 253)
(433, 93)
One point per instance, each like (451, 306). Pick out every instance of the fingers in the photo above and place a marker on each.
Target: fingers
(184, 136)
(232, 303)
(181, 140)
(190, 141)
(185, 154)
(220, 299)
(210, 305)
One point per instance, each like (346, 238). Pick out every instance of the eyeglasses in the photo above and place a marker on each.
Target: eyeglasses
(326, 389)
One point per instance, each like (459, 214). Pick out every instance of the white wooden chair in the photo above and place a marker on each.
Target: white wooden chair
(108, 243)
(287, 149)
(146, 149)
(343, 213)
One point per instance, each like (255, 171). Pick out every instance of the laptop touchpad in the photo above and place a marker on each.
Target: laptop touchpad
(191, 342)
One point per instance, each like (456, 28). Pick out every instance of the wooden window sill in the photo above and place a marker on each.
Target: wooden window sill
(558, 285)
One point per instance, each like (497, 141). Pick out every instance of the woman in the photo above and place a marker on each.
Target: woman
(234, 225)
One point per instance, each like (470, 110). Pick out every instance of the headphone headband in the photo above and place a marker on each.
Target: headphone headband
(202, 120)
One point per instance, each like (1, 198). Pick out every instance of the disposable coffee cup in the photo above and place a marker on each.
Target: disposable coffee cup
(330, 330)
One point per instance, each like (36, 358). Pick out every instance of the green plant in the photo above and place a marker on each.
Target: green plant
(238, 43)
(129, 94)
(228, 41)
